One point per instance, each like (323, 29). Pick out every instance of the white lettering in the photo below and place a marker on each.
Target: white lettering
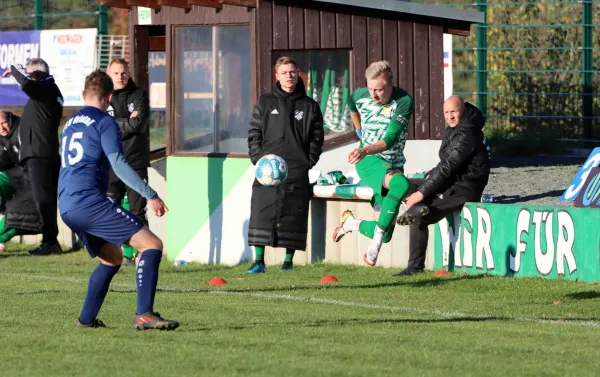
(522, 227)
(11, 54)
(544, 259)
(484, 234)
(566, 239)
(467, 238)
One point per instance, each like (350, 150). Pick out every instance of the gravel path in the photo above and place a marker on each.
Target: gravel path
(532, 180)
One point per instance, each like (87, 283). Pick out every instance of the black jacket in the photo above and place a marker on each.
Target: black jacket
(289, 125)
(21, 211)
(41, 116)
(134, 131)
(464, 158)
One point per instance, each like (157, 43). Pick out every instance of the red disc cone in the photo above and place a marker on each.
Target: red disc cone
(328, 279)
(441, 273)
(217, 281)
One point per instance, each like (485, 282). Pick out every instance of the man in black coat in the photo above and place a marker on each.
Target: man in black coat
(21, 215)
(130, 106)
(39, 144)
(287, 123)
(460, 177)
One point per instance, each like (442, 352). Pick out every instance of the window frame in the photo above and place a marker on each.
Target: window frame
(175, 133)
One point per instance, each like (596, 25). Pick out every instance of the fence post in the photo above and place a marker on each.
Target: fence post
(482, 59)
(38, 14)
(587, 20)
(102, 34)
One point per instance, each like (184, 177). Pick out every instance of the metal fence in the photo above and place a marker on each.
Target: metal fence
(532, 68)
(109, 47)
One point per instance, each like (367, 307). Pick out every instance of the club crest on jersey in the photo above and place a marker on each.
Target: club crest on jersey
(386, 111)
(130, 108)
(299, 115)
(110, 111)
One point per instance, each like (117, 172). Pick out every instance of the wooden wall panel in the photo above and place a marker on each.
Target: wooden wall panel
(264, 43)
(375, 36)
(390, 46)
(343, 28)
(405, 65)
(421, 88)
(359, 45)
(230, 14)
(296, 32)
(436, 82)
(312, 33)
(328, 30)
(280, 27)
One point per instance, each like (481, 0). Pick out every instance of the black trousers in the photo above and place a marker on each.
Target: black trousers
(440, 206)
(137, 203)
(43, 175)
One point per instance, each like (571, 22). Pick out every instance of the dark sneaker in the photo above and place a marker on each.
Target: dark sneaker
(96, 323)
(286, 266)
(46, 249)
(409, 272)
(153, 321)
(414, 213)
(257, 268)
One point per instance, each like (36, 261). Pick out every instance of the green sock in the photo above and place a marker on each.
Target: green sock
(129, 252)
(399, 187)
(8, 235)
(289, 255)
(259, 251)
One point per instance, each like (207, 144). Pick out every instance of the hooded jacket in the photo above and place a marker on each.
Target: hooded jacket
(21, 211)
(135, 132)
(464, 158)
(41, 116)
(289, 125)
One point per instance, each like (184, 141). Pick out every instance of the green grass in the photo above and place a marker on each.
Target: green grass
(287, 324)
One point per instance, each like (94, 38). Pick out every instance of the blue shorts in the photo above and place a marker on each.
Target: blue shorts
(101, 223)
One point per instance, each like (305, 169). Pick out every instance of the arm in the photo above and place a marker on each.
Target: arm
(317, 135)
(139, 123)
(355, 117)
(255, 134)
(459, 151)
(34, 89)
(113, 148)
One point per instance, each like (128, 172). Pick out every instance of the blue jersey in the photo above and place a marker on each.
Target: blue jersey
(87, 139)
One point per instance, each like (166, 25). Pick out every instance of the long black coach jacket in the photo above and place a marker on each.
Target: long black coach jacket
(464, 159)
(135, 132)
(21, 211)
(289, 125)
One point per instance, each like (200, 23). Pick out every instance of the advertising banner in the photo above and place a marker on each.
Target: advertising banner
(16, 48)
(521, 241)
(71, 55)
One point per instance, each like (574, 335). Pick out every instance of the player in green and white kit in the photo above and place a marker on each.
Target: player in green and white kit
(380, 113)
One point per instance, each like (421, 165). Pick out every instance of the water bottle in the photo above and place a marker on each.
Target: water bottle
(179, 263)
(487, 198)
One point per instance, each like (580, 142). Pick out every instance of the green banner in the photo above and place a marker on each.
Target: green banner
(521, 241)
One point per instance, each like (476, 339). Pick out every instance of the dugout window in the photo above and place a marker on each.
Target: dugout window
(326, 75)
(212, 89)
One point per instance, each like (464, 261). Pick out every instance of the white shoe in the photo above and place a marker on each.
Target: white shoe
(340, 232)
(2, 248)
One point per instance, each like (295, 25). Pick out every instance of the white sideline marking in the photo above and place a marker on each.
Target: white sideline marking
(438, 313)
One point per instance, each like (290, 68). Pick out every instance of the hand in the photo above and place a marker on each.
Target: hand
(356, 155)
(413, 199)
(134, 114)
(157, 206)
(7, 72)
(427, 176)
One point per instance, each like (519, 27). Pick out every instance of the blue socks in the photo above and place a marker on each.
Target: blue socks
(146, 279)
(97, 290)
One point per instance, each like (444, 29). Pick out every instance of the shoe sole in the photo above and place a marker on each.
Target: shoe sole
(408, 219)
(159, 326)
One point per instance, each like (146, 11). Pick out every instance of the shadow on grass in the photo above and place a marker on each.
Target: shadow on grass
(587, 295)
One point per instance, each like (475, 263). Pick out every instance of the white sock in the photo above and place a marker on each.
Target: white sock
(375, 245)
(352, 225)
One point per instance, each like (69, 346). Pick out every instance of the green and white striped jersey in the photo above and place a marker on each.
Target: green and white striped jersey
(387, 122)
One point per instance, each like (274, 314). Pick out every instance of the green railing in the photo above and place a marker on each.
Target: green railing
(532, 68)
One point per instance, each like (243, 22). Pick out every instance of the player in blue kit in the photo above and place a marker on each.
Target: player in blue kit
(91, 145)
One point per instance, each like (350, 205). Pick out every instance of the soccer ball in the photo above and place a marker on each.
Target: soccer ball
(271, 170)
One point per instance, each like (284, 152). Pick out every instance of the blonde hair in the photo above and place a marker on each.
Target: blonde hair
(285, 60)
(379, 68)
